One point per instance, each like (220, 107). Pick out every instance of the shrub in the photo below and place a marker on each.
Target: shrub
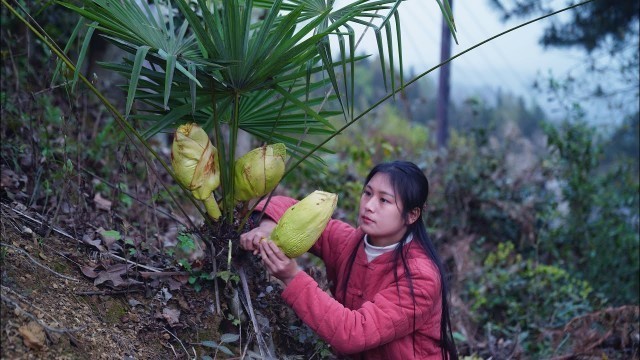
(596, 229)
(521, 299)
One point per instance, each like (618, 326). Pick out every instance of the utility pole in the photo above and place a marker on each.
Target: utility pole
(442, 111)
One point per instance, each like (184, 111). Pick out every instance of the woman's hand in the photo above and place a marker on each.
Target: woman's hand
(250, 240)
(277, 263)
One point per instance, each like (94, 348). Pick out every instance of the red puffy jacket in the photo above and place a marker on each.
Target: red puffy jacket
(376, 318)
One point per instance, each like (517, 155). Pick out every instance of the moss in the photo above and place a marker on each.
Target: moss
(114, 311)
(60, 267)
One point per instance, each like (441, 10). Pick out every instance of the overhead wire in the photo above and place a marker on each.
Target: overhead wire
(488, 65)
(435, 40)
(498, 51)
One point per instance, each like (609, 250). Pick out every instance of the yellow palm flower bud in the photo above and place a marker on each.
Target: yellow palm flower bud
(303, 223)
(259, 171)
(195, 163)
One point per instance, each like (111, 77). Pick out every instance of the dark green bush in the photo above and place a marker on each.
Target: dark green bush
(594, 230)
(519, 298)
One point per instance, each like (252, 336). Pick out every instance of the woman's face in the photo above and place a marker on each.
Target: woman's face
(380, 214)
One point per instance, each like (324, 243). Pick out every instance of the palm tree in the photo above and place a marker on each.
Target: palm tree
(262, 66)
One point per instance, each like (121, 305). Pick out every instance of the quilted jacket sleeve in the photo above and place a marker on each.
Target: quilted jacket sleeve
(276, 207)
(376, 322)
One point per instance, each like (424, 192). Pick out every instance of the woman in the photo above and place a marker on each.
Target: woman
(390, 292)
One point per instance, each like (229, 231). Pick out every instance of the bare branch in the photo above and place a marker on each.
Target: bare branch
(38, 263)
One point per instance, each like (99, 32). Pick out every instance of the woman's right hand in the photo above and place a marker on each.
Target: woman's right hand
(250, 240)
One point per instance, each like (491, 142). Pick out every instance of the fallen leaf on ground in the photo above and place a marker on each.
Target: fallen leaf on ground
(88, 239)
(171, 315)
(89, 271)
(102, 203)
(114, 274)
(33, 335)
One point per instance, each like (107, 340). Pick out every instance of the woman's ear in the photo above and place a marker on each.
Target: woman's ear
(413, 216)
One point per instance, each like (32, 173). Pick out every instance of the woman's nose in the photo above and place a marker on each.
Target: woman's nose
(369, 204)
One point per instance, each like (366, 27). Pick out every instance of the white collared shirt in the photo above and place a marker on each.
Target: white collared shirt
(375, 251)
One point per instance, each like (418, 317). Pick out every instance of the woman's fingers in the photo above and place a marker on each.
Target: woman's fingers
(265, 255)
(276, 251)
(272, 254)
(250, 240)
(277, 263)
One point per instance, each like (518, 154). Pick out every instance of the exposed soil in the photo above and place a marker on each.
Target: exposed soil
(64, 299)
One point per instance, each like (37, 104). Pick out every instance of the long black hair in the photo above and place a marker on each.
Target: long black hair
(412, 186)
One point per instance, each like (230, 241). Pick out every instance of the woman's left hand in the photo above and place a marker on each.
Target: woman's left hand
(277, 263)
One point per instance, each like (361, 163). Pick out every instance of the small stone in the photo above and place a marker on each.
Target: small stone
(134, 317)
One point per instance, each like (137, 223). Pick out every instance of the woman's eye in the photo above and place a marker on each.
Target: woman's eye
(383, 200)
(367, 192)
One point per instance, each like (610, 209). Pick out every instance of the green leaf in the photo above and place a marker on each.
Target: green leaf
(210, 343)
(112, 234)
(83, 53)
(225, 349)
(141, 53)
(229, 338)
(70, 41)
(169, 69)
(303, 106)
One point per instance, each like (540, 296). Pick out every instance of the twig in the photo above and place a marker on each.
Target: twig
(174, 350)
(106, 292)
(34, 318)
(181, 344)
(569, 356)
(246, 347)
(24, 300)
(49, 89)
(153, 274)
(39, 222)
(39, 264)
(61, 232)
(150, 268)
(216, 291)
(171, 216)
(515, 346)
(61, 254)
(262, 345)
(152, 188)
(58, 204)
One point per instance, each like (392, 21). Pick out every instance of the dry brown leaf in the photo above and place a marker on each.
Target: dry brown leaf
(114, 274)
(102, 203)
(89, 271)
(171, 315)
(88, 239)
(109, 237)
(33, 335)
(174, 284)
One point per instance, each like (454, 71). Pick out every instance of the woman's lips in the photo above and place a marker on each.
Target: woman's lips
(366, 220)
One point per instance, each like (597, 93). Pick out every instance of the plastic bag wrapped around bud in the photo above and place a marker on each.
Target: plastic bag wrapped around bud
(195, 163)
(303, 223)
(259, 171)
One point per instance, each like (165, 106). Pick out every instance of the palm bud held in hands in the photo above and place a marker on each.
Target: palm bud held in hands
(195, 162)
(302, 224)
(259, 171)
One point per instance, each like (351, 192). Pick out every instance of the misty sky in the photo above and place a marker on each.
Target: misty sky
(510, 63)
